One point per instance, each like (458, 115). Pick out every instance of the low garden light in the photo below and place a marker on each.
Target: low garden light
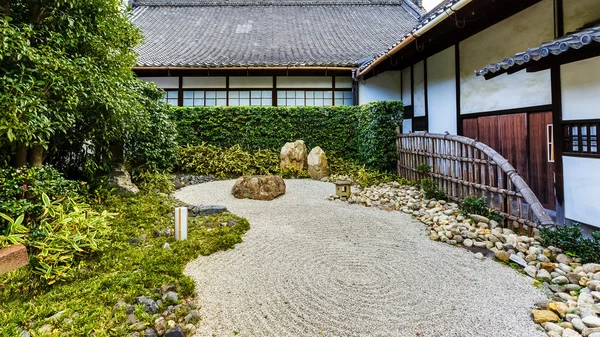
(181, 214)
(343, 189)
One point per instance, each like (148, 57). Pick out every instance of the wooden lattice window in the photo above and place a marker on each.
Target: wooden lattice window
(581, 138)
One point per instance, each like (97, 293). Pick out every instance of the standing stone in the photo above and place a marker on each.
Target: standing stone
(293, 156)
(120, 180)
(317, 164)
(258, 187)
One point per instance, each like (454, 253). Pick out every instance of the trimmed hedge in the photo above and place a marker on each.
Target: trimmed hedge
(360, 133)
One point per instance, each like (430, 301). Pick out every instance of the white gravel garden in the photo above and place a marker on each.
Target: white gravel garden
(572, 288)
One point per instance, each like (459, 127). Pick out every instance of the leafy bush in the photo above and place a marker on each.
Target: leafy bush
(571, 240)
(232, 162)
(66, 234)
(152, 181)
(360, 174)
(431, 190)
(377, 134)
(475, 205)
(362, 133)
(21, 191)
(122, 272)
(256, 128)
(423, 169)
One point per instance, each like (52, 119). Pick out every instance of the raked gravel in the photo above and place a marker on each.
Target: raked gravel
(313, 267)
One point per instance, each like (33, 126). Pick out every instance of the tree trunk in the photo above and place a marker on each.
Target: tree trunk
(36, 156)
(20, 158)
(117, 155)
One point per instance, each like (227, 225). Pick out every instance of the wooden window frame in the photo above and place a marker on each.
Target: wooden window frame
(578, 144)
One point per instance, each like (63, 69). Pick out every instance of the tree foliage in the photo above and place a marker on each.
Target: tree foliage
(67, 78)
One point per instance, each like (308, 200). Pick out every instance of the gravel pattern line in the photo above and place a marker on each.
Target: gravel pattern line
(313, 267)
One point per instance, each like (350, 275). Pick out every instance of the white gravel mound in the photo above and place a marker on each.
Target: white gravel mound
(313, 267)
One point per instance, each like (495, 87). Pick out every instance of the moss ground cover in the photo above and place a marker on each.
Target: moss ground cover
(124, 271)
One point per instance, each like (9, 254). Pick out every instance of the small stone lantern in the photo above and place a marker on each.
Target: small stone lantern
(343, 189)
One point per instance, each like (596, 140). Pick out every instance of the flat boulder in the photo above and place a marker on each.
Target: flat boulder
(206, 210)
(258, 187)
(293, 156)
(317, 164)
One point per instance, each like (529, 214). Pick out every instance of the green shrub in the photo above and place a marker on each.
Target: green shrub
(153, 181)
(255, 128)
(377, 134)
(572, 241)
(232, 162)
(475, 205)
(362, 175)
(431, 190)
(21, 191)
(122, 272)
(361, 133)
(423, 169)
(67, 232)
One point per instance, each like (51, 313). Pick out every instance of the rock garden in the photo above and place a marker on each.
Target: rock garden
(571, 284)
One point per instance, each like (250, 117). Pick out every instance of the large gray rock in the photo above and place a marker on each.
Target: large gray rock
(317, 164)
(293, 156)
(175, 332)
(258, 187)
(120, 180)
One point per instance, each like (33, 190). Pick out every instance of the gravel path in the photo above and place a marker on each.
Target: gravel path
(313, 267)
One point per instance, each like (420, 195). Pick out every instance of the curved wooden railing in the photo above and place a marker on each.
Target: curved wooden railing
(462, 166)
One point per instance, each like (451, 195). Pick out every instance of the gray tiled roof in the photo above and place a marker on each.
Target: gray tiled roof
(258, 33)
(443, 7)
(575, 40)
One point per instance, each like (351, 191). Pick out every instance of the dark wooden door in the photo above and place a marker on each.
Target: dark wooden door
(541, 158)
(523, 140)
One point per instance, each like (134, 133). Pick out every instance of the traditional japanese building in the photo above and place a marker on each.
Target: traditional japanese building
(522, 76)
(264, 52)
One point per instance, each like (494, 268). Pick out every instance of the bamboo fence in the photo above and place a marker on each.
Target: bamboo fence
(462, 167)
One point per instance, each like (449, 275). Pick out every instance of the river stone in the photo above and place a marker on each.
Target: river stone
(293, 156)
(258, 187)
(479, 218)
(206, 210)
(544, 316)
(518, 260)
(559, 308)
(543, 274)
(530, 270)
(570, 333)
(578, 324)
(553, 327)
(562, 258)
(591, 268)
(560, 280)
(591, 321)
(503, 256)
(317, 164)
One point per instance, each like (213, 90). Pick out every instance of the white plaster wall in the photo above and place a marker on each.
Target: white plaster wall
(580, 83)
(304, 82)
(524, 30)
(441, 92)
(406, 87)
(577, 13)
(251, 82)
(163, 82)
(385, 86)
(582, 189)
(204, 82)
(419, 78)
(343, 82)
